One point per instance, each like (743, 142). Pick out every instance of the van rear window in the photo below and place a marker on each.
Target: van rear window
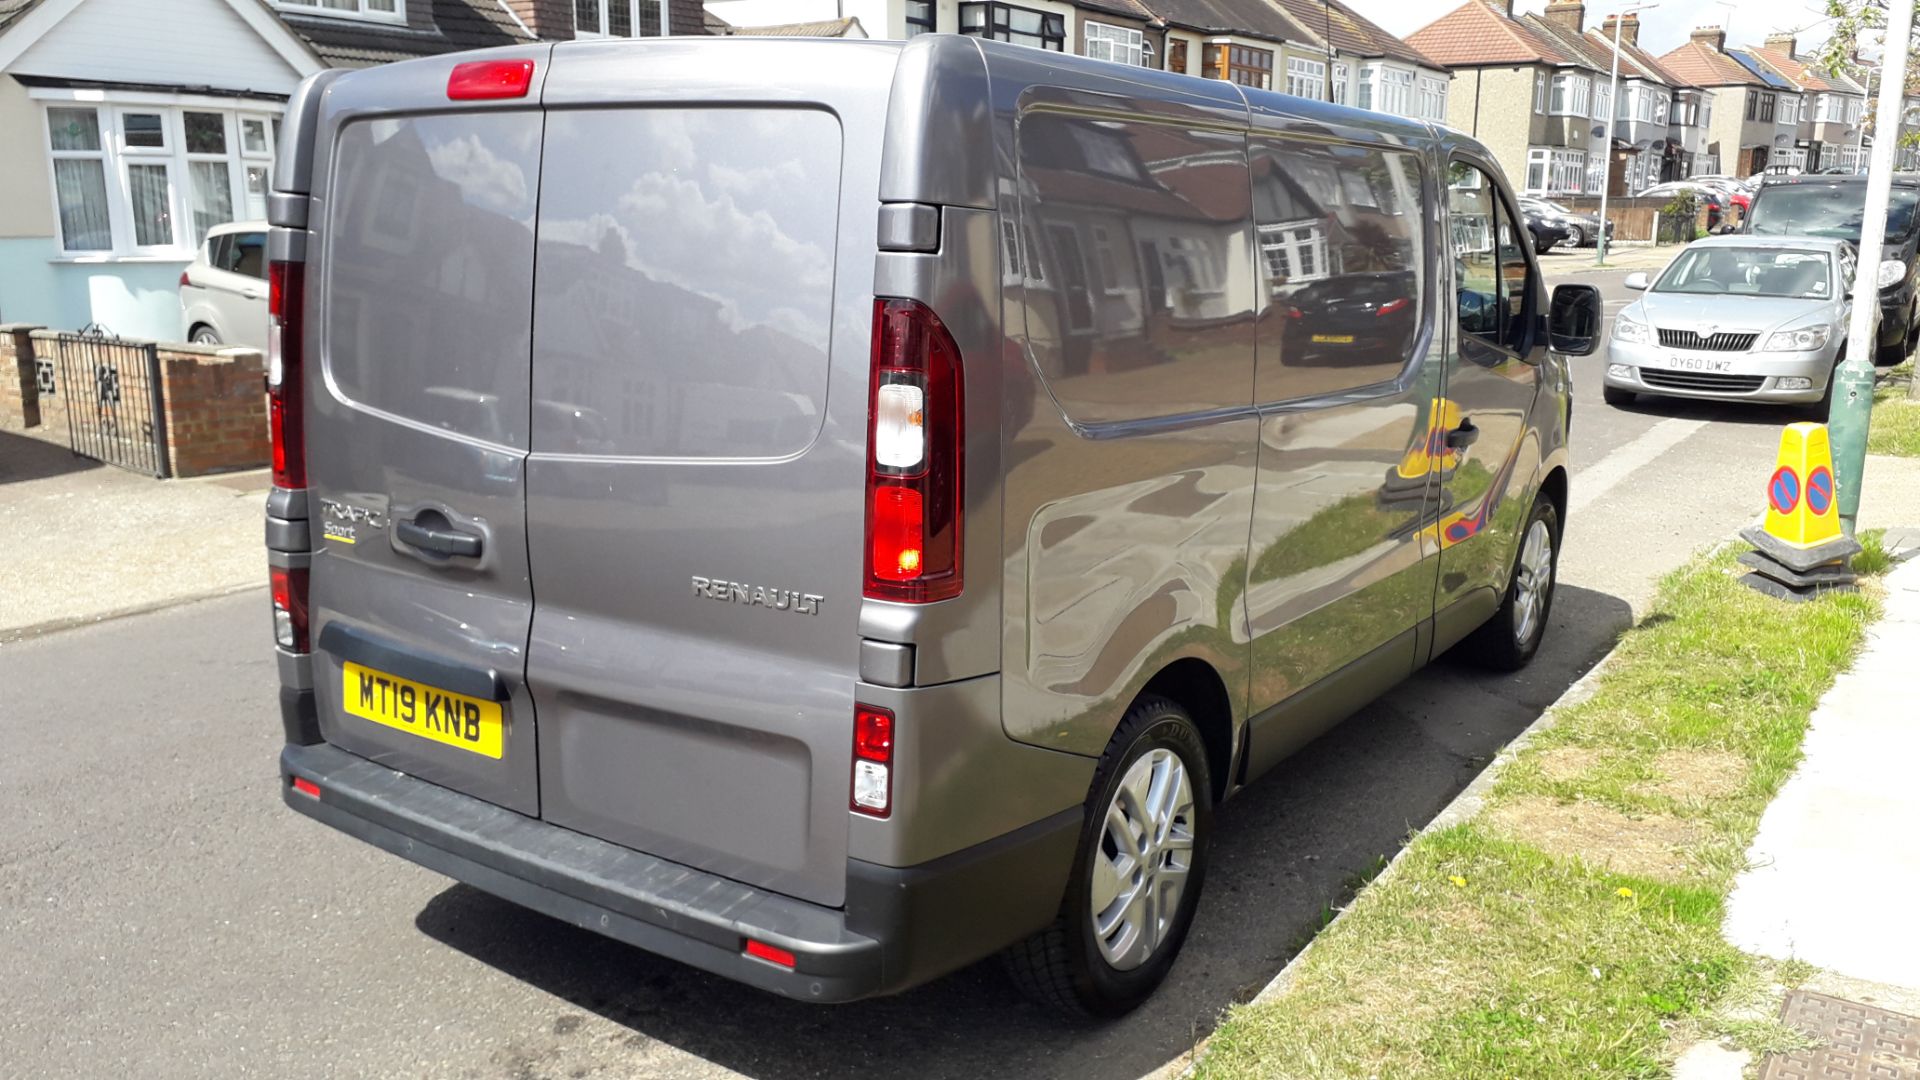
(684, 295)
(429, 270)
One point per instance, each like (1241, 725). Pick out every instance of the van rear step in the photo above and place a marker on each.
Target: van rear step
(900, 928)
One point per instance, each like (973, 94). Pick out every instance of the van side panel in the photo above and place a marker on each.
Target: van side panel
(702, 315)
(1131, 440)
(1351, 356)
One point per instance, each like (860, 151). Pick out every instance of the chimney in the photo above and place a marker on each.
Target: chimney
(550, 20)
(1629, 30)
(1569, 15)
(1713, 37)
(1783, 43)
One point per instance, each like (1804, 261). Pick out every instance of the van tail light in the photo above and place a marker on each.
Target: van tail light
(488, 80)
(286, 295)
(915, 433)
(872, 761)
(289, 590)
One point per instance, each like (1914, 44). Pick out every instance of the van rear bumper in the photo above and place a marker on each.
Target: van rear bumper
(900, 926)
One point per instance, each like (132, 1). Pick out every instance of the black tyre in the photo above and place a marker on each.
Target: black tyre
(1508, 641)
(1136, 875)
(1617, 397)
(205, 335)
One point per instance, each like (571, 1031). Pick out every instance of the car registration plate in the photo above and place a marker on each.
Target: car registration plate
(427, 711)
(1700, 363)
(1333, 339)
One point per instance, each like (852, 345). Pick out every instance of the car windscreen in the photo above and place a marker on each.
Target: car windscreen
(1835, 210)
(1799, 274)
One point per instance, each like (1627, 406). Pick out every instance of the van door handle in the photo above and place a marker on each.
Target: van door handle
(1463, 436)
(438, 541)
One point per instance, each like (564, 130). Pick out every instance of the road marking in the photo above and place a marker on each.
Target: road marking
(1593, 482)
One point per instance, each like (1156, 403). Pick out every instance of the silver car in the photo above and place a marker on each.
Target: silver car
(1736, 317)
(223, 293)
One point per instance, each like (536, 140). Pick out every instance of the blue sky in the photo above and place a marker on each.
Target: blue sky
(1661, 28)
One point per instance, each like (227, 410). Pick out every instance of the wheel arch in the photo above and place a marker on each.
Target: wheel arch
(1194, 685)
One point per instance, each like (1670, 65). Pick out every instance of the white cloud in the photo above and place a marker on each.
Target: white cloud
(486, 180)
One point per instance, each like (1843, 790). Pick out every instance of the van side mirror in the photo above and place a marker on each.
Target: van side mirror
(1638, 281)
(1573, 320)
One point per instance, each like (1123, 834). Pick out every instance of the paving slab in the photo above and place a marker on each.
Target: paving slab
(1834, 869)
(85, 541)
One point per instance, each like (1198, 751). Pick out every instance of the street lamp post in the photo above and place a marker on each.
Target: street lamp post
(1852, 409)
(1606, 147)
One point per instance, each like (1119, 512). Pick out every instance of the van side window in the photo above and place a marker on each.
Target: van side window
(1341, 248)
(1489, 263)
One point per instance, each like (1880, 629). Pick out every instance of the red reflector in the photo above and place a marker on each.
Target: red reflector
(483, 80)
(898, 544)
(872, 733)
(183, 279)
(762, 951)
(306, 787)
(288, 589)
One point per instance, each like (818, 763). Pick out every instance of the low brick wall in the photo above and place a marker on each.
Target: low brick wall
(214, 400)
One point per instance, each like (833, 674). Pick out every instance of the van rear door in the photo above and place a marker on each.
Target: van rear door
(702, 312)
(420, 286)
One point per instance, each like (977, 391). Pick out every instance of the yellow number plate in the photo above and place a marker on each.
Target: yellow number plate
(426, 711)
(1333, 339)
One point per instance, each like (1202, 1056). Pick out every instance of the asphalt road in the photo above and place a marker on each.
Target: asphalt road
(162, 915)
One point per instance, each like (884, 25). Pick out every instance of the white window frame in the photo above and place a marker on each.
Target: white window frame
(1539, 91)
(1286, 245)
(118, 157)
(633, 13)
(1119, 44)
(1602, 99)
(1569, 94)
(1538, 158)
(1390, 89)
(1342, 83)
(1430, 98)
(1554, 170)
(362, 10)
(109, 186)
(1307, 78)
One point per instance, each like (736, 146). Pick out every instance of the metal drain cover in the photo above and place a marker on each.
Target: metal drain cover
(1860, 1041)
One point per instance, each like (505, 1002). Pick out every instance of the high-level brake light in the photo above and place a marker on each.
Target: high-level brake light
(487, 80)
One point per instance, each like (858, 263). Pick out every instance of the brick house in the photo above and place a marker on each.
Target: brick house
(1830, 128)
(1526, 86)
(1755, 112)
(132, 126)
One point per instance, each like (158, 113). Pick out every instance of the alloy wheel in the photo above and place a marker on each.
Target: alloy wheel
(1141, 867)
(1532, 581)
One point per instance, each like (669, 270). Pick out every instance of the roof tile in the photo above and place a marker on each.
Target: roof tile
(1479, 34)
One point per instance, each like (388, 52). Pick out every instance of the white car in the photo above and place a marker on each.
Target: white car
(223, 292)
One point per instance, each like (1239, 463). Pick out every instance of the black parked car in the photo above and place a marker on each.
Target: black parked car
(1837, 206)
(1583, 229)
(1547, 232)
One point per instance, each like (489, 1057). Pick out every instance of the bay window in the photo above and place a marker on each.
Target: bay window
(1431, 102)
(1121, 44)
(1306, 78)
(1569, 96)
(1386, 89)
(1555, 171)
(1342, 79)
(151, 179)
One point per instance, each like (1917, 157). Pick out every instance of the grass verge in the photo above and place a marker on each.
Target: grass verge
(1896, 423)
(1573, 926)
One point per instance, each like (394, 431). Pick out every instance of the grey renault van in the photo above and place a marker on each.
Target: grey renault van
(827, 512)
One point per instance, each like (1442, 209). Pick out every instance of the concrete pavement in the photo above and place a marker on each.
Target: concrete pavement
(1835, 867)
(86, 541)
